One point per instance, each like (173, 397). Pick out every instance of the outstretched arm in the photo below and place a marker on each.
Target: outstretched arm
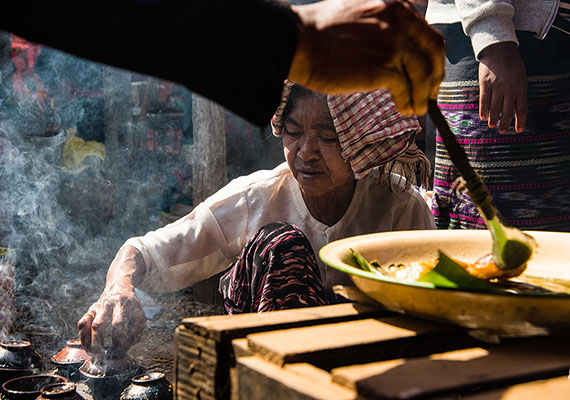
(238, 53)
(118, 306)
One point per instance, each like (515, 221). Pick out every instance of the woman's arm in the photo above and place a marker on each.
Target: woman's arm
(487, 22)
(502, 73)
(166, 260)
(238, 53)
(118, 305)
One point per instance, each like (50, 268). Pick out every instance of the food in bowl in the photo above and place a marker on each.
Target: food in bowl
(483, 268)
(483, 274)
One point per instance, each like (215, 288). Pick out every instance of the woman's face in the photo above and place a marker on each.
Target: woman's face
(312, 149)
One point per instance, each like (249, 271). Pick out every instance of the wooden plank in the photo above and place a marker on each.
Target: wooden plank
(196, 366)
(554, 388)
(191, 365)
(197, 345)
(364, 340)
(188, 365)
(209, 172)
(236, 326)
(241, 348)
(195, 353)
(259, 379)
(478, 367)
(117, 110)
(209, 168)
(190, 392)
(189, 336)
(205, 342)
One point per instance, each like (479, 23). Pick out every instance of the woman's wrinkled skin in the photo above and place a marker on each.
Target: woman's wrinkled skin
(326, 181)
(117, 306)
(313, 153)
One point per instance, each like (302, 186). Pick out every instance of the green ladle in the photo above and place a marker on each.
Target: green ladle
(511, 247)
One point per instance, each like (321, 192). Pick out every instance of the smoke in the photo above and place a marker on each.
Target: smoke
(53, 243)
(90, 156)
(67, 203)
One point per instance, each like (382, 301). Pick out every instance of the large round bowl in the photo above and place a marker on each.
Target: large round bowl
(502, 314)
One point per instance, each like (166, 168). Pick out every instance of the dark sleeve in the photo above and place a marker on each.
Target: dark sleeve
(234, 52)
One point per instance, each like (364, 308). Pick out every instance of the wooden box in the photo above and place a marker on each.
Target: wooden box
(358, 351)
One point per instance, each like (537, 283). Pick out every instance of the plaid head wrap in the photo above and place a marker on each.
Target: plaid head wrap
(372, 133)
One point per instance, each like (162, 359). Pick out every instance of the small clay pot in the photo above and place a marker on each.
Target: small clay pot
(28, 387)
(60, 391)
(108, 374)
(150, 386)
(18, 358)
(70, 359)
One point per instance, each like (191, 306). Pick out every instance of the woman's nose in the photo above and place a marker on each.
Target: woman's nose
(308, 149)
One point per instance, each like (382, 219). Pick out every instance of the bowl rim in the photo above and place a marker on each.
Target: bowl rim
(46, 375)
(325, 256)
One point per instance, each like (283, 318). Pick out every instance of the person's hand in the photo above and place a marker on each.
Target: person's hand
(362, 45)
(118, 307)
(502, 87)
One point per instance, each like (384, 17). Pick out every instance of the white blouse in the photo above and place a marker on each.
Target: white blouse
(209, 239)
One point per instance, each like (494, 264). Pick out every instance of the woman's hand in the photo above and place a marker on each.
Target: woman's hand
(118, 306)
(362, 45)
(502, 86)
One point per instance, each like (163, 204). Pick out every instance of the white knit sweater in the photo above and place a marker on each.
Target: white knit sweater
(488, 22)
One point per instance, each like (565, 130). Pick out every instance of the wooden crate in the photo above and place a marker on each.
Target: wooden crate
(205, 355)
(357, 351)
(398, 357)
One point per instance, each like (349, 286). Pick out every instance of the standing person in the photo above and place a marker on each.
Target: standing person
(505, 60)
(239, 52)
(337, 181)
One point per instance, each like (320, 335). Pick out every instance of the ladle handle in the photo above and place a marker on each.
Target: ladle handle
(477, 190)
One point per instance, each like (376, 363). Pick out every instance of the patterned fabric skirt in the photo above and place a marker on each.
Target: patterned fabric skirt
(528, 173)
(276, 270)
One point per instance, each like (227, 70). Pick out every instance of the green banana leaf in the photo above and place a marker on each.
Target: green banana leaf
(363, 263)
(447, 273)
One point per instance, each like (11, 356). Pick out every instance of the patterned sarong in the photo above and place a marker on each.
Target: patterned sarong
(276, 270)
(528, 173)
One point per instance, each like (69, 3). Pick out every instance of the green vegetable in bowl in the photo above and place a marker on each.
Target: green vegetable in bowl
(363, 264)
(446, 273)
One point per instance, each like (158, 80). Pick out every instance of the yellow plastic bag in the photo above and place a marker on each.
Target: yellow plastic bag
(76, 150)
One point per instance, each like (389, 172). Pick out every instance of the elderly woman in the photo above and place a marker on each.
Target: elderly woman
(272, 221)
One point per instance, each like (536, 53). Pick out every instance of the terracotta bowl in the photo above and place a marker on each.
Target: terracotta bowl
(70, 359)
(28, 387)
(501, 314)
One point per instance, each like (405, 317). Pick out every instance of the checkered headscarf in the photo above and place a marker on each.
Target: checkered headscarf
(372, 133)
